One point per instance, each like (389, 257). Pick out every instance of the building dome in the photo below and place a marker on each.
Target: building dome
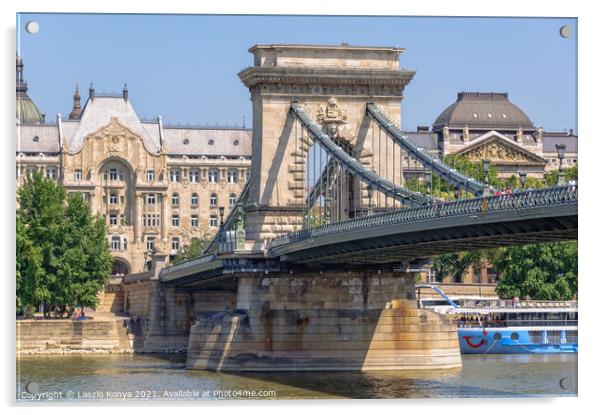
(27, 110)
(483, 110)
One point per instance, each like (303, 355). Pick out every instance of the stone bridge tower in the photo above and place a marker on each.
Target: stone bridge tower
(333, 84)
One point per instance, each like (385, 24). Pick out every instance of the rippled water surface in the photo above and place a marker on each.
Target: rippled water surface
(137, 377)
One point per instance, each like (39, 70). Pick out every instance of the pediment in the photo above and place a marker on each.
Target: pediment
(500, 150)
(117, 135)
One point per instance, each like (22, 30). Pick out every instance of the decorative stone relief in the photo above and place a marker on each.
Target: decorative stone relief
(496, 152)
(332, 117)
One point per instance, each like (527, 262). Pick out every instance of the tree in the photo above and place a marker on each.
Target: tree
(62, 253)
(29, 273)
(546, 271)
(455, 264)
(195, 249)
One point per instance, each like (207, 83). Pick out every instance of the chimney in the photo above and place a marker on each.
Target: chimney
(422, 128)
(91, 91)
(125, 92)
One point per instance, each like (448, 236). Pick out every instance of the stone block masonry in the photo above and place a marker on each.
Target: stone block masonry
(72, 337)
(330, 321)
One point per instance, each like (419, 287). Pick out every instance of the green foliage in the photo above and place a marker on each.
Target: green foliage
(551, 177)
(542, 271)
(455, 264)
(195, 249)
(314, 218)
(441, 189)
(62, 253)
(29, 273)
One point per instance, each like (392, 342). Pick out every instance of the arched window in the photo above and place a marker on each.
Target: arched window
(213, 200)
(175, 199)
(232, 199)
(194, 200)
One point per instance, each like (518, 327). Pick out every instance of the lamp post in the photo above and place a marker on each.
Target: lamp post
(560, 148)
(222, 234)
(486, 167)
(522, 176)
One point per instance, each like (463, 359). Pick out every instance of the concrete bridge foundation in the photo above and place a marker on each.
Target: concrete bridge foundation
(323, 321)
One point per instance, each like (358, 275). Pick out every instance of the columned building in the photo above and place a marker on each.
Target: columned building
(156, 186)
(487, 125)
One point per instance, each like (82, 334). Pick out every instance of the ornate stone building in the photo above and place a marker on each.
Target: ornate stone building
(156, 186)
(488, 126)
(161, 186)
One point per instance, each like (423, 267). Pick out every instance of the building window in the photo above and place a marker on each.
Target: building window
(232, 176)
(114, 174)
(175, 244)
(213, 175)
(174, 174)
(113, 198)
(175, 199)
(194, 200)
(213, 221)
(194, 176)
(51, 173)
(232, 199)
(112, 219)
(194, 221)
(150, 243)
(150, 176)
(213, 200)
(152, 219)
(115, 243)
(77, 174)
(175, 220)
(247, 174)
(31, 170)
(150, 199)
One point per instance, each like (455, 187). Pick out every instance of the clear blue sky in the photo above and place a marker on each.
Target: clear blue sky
(184, 67)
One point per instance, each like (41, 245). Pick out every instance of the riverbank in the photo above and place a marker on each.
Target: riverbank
(102, 335)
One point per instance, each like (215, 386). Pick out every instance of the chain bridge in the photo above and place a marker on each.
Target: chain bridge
(310, 266)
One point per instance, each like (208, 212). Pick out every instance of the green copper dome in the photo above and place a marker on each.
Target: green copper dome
(27, 110)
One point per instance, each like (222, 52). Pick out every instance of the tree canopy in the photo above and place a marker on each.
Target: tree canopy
(546, 271)
(195, 249)
(63, 256)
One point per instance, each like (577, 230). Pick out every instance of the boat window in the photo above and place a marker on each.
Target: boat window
(497, 336)
(514, 336)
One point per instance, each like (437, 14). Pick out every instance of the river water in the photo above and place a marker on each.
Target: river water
(164, 377)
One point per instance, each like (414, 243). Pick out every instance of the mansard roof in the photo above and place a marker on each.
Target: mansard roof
(37, 138)
(550, 140)
(98, 112)
(208, 141)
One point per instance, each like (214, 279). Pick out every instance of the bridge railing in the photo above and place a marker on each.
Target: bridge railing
(520, 200)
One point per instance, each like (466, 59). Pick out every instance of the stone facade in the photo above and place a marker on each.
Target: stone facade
(330, 321)
(156, 186)
(333, 84)
(487, 125)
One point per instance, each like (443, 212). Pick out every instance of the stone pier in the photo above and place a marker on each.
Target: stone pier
(323, 321)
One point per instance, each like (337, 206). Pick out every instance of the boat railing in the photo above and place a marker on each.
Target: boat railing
(530, 304)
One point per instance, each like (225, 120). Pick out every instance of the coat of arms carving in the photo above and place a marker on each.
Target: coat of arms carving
(332, 117)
